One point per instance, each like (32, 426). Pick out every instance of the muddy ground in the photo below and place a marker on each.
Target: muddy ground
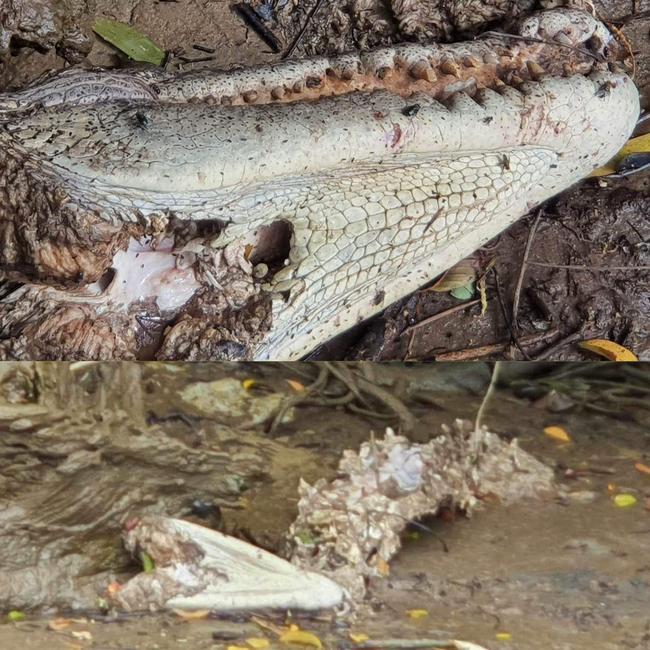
(598, 225)
(569, 573)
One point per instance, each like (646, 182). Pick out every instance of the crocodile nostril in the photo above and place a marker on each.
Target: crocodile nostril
(271, 244)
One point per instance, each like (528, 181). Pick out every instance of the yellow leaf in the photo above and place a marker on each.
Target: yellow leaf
(640, 144)
(358, 638)
(296, 385)
(640, 467)
(258, 643)
(624, 500)
(608, 349)
(483, 293)
(192, 616)
(417, 613)
(57, 624)
(248, 383)
(456, 277)
(301, 637)
(503, 636)
(237, 647)
(15, 616)
(557, 433)
(383, 567)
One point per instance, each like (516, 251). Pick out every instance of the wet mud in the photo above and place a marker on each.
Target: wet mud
(562, 572)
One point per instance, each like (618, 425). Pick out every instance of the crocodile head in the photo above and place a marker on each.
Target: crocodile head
(299, 198)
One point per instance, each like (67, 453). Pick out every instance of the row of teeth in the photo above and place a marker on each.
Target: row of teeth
(420, 71)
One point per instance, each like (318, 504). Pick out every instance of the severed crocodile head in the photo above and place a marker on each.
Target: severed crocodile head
(196, 568)
(256, 213)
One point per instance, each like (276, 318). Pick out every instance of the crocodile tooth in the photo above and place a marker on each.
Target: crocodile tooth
(422, 70)
(490, 58)
(470, 61)
(449, 66)
(535, 70)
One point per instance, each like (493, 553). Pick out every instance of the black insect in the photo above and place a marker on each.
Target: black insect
(504, 161)
(411, 110)
(142, 120)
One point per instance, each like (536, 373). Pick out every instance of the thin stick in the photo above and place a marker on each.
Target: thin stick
(522, 270)
(403, 644)
(442, 314)
(574, 267)
(486, 397)
(303, 29)
(532, 39)
(484, 350)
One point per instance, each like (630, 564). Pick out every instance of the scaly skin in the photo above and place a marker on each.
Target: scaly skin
(388, 167)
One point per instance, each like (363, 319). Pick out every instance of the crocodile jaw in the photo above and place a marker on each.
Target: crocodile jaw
(408, 179)
(197, 568)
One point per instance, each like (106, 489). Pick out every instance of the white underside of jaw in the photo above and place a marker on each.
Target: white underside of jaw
(222, 573)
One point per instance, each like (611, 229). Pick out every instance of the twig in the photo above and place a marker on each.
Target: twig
(552, 349)
(483, 351)
(442, 314)
(522, 270)
(303, 29)
(415, 643)
(513, 334)
(532, 39)
(575, 267)
(486, 397)
(252, 19)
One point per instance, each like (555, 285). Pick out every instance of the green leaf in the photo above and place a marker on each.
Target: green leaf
(16, 615)
(147, 563)
(129, 40)
(463, 293)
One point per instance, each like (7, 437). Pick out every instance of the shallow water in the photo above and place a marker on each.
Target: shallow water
(566, 573)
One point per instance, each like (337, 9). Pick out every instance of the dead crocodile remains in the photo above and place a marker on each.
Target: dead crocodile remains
(258, 212)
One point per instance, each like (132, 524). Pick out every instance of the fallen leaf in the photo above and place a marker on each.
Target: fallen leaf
(82, 635)
(459, 275)
(483, 294)
(464, 293)
(558, 434)
(258, 642)
(248, 383)
(237, 647)
(113, 588)
(625, 500)
(296, 385)
(640, 467)
(301, 637)
(383, 567)
(358, 638)
(641, 144)
(148, 565)
(608, 349)
(192, 616)
(503, 636)
(611, 487)
(417, 613)
(15, 616)
(59, 624)
(129, 40)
